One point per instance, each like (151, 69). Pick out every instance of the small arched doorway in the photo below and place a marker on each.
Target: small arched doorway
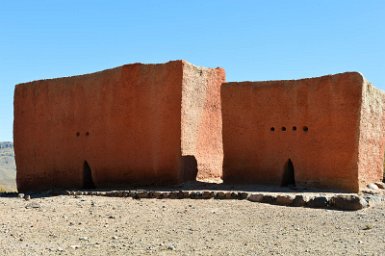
(88, 182)
(288, 177)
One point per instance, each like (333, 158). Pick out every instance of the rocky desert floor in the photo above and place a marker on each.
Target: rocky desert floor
(90, 225)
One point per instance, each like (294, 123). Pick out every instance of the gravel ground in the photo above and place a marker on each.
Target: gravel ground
(88, 225)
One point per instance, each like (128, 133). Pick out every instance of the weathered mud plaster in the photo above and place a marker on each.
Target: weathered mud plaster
(134, 124)
(327, 132)
(371, 135)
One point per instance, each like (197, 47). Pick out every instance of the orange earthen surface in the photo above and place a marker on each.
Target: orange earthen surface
(330, 128)
(130, 125)
(169, 123)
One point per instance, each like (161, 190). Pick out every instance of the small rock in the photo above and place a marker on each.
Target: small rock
(371, 191)
(84, 238)
(171, 247)
(207, 194)
(239, 195)
(380, 185)
(242, 195)
(220, 195)
(165, 194)
(114, 238)
(269, 199)
(186, 194)
(318, 202)
(157, 194)
(284, 200)
(373, 199)
(142, 194)
(255, 198)
(27, 197)
(228, 194)
(348, 202)
(75, 246)
(300, 200)
(234, 195)
(20, 195)
(180, 194)
(196, 195)
(367, 227)
(372, 186)
(32, 205)
(173, 195)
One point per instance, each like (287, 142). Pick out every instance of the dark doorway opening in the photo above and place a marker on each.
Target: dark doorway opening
(190, 168)
(88, 182)
(288, 178)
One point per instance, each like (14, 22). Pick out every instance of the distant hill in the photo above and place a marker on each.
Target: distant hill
(7, 167)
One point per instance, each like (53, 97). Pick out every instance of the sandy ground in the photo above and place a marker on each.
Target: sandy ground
(7, 169)
(88, 225)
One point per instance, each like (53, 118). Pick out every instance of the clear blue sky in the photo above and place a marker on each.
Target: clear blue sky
(252, 40)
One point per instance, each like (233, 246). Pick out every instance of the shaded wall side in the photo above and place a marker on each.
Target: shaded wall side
(41, 136)
(124, 122)
(372, 136)
(325, 156)
(201, 119)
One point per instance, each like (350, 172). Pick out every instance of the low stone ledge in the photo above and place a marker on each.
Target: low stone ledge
(349, 202)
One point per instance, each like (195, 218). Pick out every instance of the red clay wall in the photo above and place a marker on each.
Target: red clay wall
(372, 136)
(324, 156)
(125, 122)
(201, 119)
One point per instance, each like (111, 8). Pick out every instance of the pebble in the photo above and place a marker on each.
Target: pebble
(373, 186)
(255, 198)
(380, 185)
(284, 200)
(300, 200)
(318, 202)
(348, 202)
(75, 246)
(33, 205)
(171, 247)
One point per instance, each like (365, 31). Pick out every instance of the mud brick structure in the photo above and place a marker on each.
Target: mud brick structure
(325, 132)
(132, 125)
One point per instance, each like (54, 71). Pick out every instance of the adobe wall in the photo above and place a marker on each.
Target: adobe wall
(202, 119)
(372, 136)
(125, 122)
(313, 122)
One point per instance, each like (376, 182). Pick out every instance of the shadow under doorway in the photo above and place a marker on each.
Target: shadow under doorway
(288, 177)
(88, 182)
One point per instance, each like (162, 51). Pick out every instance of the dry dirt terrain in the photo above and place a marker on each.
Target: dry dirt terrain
(7, 167)
(89, 225)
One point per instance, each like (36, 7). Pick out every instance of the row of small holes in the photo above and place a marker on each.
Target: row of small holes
(78, 134)
(305, 128)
